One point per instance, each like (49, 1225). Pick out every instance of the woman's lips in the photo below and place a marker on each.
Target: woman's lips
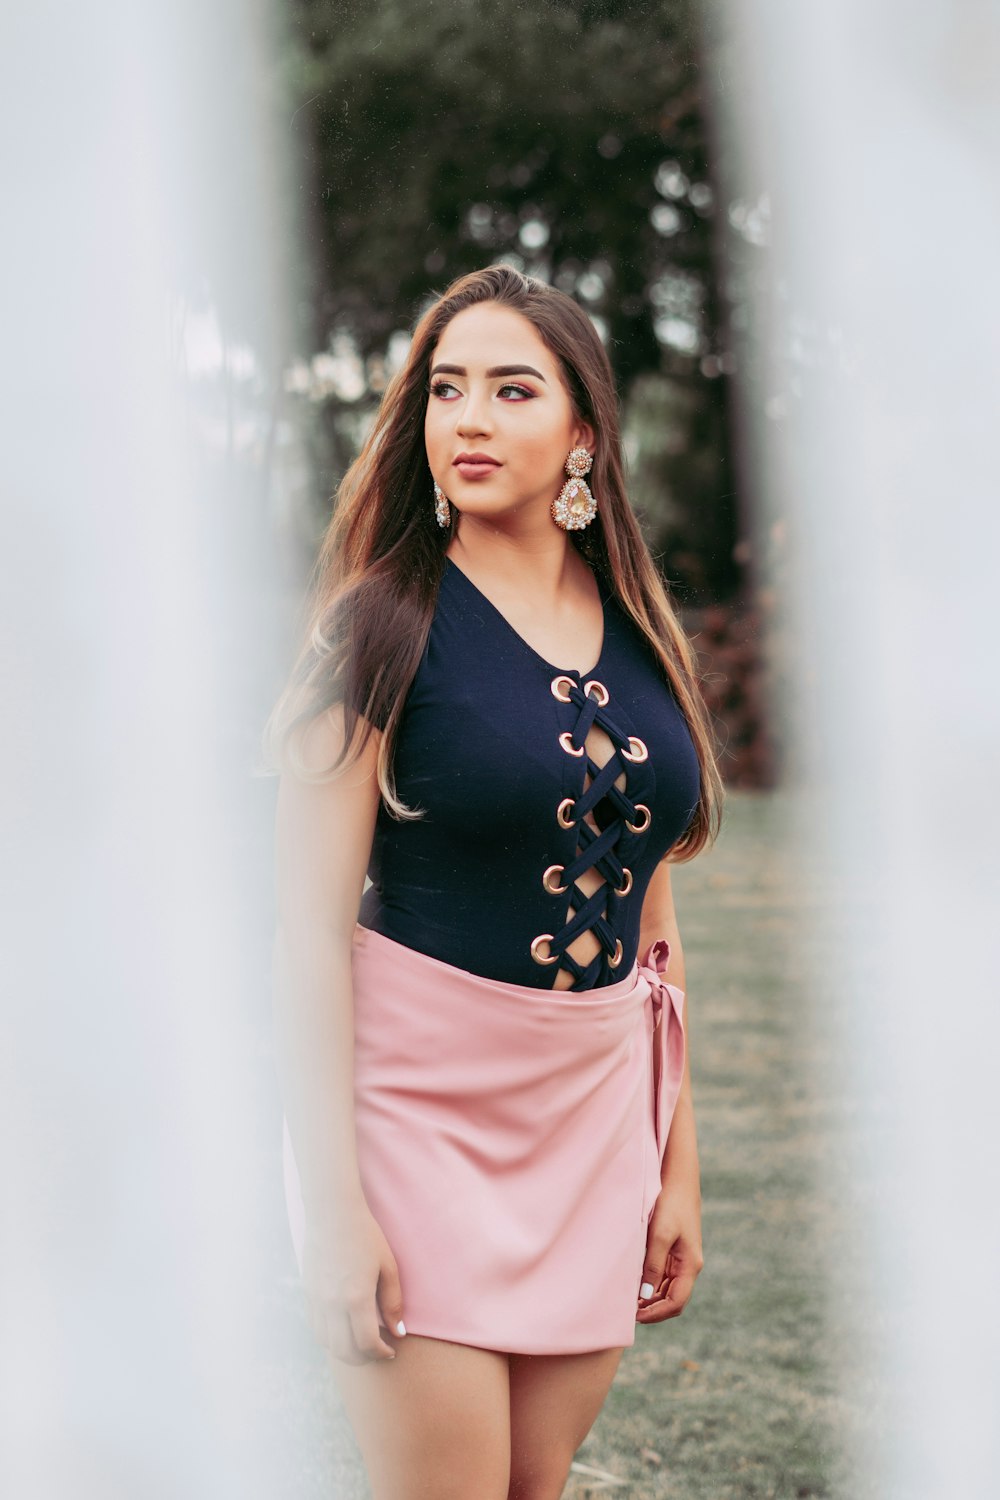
(476, 470)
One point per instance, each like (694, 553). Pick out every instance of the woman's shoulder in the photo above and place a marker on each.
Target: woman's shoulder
(632, 641)
(461, 642)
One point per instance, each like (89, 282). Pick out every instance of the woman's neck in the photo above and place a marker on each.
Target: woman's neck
(542, 568)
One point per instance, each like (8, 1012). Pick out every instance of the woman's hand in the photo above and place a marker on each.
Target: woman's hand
(673, 1254)
(349, 1274)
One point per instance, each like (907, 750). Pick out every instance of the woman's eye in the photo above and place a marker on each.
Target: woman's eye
(438, 387)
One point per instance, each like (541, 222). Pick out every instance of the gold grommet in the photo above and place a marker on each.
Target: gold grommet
(593, 683)
(543, 937)
(624, 889)
(616, 957)
(636, 751)
(640, 807)
(554, 685)
(554, 890)
(566, 740)
(563, 811)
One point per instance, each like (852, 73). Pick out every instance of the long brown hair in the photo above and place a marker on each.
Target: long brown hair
(374, 584)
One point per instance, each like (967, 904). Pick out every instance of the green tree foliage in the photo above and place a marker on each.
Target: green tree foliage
(566, 137)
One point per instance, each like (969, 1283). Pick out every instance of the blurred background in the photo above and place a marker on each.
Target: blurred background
(221, 224)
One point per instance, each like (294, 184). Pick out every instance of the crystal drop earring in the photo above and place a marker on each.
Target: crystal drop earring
(575, 507)
(442, 507)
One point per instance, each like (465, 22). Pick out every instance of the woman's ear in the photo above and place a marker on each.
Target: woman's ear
(585, 437)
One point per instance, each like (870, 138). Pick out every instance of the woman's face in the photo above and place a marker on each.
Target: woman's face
(497, 392)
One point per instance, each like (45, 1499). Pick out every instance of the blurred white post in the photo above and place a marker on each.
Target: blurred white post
(875, 129)
(127, 1258)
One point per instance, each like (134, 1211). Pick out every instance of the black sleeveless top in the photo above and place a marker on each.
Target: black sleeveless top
(491, 747)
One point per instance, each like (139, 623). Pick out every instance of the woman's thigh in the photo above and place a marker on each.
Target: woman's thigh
(433, 1422)
(554, 1400)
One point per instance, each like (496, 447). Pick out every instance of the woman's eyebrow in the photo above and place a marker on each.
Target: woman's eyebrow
(496, 370)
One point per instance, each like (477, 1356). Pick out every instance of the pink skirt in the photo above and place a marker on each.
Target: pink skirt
(510, 1141)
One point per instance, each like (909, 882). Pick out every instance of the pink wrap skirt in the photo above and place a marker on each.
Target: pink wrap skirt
(510, 1141)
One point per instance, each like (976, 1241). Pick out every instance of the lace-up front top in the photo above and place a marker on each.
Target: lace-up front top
(549, 797)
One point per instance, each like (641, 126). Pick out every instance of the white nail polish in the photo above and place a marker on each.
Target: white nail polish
(400, 1327)
(647, 1289)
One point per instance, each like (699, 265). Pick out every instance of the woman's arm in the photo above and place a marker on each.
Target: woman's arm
(673, 1243)
(659, 919)
(323, 843)
(323, 839)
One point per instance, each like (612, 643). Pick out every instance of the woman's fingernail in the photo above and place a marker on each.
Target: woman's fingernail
(400, 1327)
(647, 1289)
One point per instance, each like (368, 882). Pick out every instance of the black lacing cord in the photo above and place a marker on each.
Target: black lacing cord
(594, 850)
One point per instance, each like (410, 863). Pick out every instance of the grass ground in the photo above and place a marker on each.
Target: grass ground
(739, 1397)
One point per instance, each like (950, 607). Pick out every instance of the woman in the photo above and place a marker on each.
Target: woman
(490, 1151)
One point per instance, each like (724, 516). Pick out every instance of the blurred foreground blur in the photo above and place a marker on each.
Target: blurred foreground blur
(219, 221)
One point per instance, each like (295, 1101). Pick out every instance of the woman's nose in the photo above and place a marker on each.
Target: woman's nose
(473, 415)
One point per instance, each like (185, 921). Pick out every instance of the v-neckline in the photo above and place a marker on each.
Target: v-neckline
(548, 665)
